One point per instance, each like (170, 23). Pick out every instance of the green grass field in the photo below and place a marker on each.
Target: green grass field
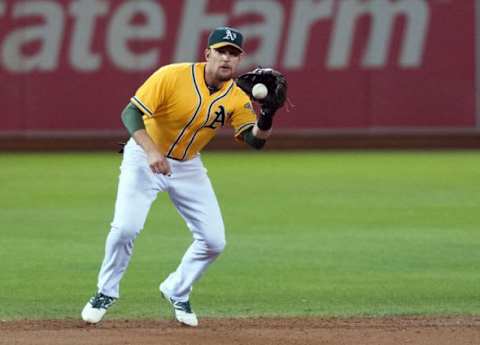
(332, 234)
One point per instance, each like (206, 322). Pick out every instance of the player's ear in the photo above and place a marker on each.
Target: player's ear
(207, 54)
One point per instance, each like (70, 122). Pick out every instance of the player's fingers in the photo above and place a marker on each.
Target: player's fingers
(158, 167)
(155, 168)
(166, 168)
(161, 167)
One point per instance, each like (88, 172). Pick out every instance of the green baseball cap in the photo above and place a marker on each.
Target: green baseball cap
(225, 36)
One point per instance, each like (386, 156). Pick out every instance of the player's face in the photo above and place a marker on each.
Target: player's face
(222, 62)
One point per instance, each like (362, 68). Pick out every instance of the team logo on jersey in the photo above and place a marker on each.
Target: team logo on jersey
(219, 118)
(229, 35)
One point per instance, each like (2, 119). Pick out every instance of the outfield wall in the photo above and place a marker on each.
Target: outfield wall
(359, 69)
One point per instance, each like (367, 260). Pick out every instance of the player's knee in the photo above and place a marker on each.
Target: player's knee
(215, 245)
(126, 232)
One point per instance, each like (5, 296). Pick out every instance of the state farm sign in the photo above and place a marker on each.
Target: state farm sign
(121, 32)
(350, 63)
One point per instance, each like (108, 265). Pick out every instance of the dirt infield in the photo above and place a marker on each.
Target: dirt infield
(286, 331)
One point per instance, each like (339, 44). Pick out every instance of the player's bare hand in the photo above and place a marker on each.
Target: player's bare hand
(158, 163)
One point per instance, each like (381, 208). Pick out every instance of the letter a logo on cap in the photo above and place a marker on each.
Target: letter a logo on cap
(224, 36)
(229, 35)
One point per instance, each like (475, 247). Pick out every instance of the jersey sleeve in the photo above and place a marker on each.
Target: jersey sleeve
(154, 91)
(243, 116)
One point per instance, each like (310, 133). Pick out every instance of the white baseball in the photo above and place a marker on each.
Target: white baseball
(259, 91)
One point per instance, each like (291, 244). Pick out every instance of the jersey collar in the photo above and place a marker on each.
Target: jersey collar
(200, 67)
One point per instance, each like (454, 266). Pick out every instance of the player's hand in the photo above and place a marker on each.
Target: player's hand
(275, 82)
(158, 163)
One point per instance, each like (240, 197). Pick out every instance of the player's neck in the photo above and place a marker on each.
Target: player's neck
(213, 84)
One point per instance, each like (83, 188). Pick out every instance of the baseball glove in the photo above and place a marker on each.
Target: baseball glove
(274, 81)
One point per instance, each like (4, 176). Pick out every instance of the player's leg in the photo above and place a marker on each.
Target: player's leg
(137, 188)
(194, 198)
(134, 198)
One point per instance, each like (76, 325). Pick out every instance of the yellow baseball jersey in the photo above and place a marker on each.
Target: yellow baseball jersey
(180, 114)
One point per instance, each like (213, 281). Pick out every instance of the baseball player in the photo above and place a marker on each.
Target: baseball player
(172, 116)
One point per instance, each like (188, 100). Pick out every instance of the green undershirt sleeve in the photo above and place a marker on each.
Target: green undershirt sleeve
(132, 118)
(252, 140)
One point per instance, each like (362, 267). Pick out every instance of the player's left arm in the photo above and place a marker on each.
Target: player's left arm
(251, 128)
(255, 137)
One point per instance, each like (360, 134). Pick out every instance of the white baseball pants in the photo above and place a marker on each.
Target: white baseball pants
(192, 194)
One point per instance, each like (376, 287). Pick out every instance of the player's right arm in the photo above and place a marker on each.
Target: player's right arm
(132, 119)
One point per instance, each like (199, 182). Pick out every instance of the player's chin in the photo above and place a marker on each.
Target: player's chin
(225, 74)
